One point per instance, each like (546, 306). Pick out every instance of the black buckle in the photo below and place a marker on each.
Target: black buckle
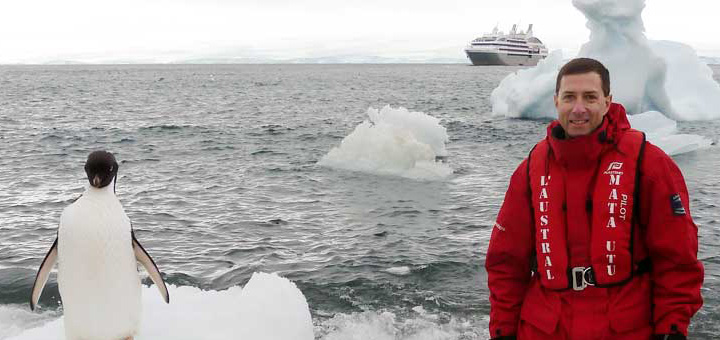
(582, 277)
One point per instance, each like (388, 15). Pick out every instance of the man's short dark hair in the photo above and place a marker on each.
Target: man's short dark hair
(585, 65)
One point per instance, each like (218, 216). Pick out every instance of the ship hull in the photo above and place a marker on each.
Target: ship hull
(480, 58)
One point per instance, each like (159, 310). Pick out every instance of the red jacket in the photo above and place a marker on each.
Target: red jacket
(660, 302)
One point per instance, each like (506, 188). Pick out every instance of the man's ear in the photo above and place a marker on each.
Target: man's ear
(555, 100)
(608, 101)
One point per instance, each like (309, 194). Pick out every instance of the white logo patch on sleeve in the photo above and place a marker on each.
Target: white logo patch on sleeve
(676, 205)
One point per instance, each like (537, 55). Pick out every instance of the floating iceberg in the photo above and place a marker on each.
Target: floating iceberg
(661, 130)
(393, 142)
(645, 75)
(528, 93)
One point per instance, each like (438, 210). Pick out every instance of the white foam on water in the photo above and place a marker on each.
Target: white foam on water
(268, 308)
(396, 142)
(373, 325)
(14, 319)
(401, 271)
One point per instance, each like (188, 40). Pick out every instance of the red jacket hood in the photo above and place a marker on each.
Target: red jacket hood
(585, 150)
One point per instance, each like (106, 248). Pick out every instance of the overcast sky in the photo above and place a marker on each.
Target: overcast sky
(34, 31)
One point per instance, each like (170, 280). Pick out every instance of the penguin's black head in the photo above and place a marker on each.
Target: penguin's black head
(101, 168)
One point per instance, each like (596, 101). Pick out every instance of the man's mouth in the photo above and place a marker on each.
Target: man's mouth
(579, 122)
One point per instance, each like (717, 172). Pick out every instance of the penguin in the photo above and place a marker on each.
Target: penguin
(97, 254)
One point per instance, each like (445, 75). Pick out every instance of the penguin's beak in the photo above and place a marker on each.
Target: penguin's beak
(96, 181)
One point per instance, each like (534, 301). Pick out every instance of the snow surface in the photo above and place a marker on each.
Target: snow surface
(268, 308)
(393, 141)
(645, 76)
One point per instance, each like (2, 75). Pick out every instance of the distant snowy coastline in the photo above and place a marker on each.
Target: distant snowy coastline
(335, 59)
(711, 60)
(349, 59)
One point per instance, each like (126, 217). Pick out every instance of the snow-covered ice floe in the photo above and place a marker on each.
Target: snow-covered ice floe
(396, 142)
(269, 307)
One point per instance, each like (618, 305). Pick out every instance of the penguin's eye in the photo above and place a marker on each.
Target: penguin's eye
(111, 169)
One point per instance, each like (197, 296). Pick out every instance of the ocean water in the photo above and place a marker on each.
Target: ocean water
(219, 174)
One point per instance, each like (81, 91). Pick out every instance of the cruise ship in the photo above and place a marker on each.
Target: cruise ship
(512, 49)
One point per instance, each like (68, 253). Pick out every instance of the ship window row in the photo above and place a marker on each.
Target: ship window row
(502, 45)
(515, 50)
(484, 39)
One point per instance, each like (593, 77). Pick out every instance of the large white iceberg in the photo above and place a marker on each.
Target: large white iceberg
(645, 75)
(637, 74)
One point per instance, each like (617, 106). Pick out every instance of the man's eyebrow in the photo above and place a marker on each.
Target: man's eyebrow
(583, 92)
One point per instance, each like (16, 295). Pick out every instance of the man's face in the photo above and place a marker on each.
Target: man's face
(580, 103)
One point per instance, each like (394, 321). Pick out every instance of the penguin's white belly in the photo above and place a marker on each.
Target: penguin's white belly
(97, 272)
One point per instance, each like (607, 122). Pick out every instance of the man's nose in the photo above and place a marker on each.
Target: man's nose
(579, 106)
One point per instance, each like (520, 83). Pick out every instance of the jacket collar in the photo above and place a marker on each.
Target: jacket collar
(585, 150)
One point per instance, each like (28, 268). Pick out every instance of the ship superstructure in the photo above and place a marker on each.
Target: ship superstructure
(513, 49)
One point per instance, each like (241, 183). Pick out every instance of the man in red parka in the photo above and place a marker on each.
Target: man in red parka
(594, 239)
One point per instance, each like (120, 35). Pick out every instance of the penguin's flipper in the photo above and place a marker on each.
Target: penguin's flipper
(143, 257)
(43, 274)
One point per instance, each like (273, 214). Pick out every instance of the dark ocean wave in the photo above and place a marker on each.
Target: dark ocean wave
(16, 286)
(166, 127)
(51, 137)
(130, 161)
(219, 148)
(266, 152)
